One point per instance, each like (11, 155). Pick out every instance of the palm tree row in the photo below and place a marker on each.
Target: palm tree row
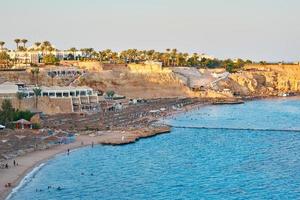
(171, 57)
(45, 46)
(168, 58)
(18, 41)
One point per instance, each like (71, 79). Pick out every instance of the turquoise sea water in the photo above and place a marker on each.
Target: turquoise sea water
(218, 162)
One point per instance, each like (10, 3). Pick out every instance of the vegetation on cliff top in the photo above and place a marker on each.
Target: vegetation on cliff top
(168, 58)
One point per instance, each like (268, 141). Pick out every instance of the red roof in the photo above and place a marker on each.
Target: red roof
(23, 121)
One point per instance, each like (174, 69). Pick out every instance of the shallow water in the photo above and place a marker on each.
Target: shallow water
(189, 163)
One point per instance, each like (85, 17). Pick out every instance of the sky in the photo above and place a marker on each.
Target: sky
(250, 29)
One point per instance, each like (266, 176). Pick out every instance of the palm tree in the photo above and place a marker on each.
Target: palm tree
(37, 71)
(50, 49)
(32, 71)
(20, 97)
(38, 45)
(101, 55)
(17, 41)
(150, 54)
(179, 59)
(4, 58)
(185, 58)
(168, 55)
(173, 56)
(35, 75)
(89, 52)
(37, 92)
(83, 50)
(194, 60)
(94, 54)
(110, 94)
(52, 75)
(73, 50)
(45, 46)
(2, 44)
(46, 43)
(24, 41)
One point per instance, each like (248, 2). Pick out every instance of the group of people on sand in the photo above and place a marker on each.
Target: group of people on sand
(6, 166)
(68, 151)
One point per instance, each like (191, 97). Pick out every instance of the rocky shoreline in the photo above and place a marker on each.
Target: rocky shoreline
(128, 137)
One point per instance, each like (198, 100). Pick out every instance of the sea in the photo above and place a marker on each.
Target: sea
(246, 151)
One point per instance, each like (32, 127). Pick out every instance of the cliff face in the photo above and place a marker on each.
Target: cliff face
(87, 65)
(265, 80)
(138, 85)
(149, 68)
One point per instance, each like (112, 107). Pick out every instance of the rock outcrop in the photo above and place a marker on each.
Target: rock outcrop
(265, 80)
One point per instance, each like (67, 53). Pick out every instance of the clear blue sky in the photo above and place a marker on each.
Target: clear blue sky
(255, 29)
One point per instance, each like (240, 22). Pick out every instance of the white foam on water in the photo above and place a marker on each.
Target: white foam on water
(25, 180)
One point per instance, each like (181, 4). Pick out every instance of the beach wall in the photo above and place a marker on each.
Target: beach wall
(147, 68)
(87, 65)
(45, 104)
(106, 66)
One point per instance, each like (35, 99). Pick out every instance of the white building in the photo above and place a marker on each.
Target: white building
(209, 57)
(60, 92)
(8, 89)
(11, 89)
(35, 56)
(81, 98)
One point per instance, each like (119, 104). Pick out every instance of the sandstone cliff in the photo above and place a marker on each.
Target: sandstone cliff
(265, 80)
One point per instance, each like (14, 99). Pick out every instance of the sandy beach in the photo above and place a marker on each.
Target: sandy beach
(26, 163)
(14, 174)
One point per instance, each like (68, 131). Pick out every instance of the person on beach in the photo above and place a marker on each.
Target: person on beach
(8, 185)
(68, 151)
(14, 162)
